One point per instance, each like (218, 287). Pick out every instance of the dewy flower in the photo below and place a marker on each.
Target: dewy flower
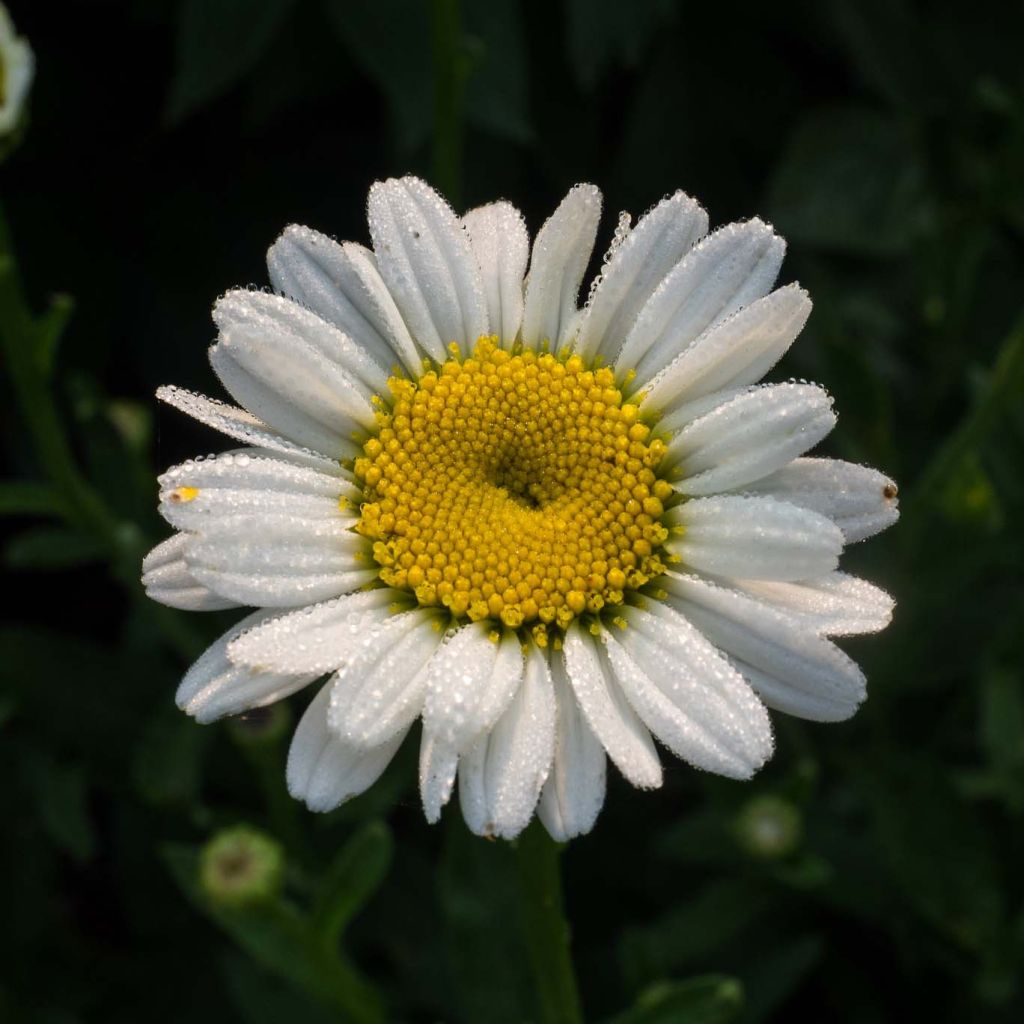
(16, 67)
(552, 535)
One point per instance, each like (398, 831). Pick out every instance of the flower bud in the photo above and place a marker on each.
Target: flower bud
(769, 827)
(241, 867)
(17, 64)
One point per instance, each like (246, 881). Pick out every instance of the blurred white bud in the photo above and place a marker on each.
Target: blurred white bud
(17, 64)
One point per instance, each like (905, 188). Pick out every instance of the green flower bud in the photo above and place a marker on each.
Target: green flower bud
(241, 867)
(769, 827)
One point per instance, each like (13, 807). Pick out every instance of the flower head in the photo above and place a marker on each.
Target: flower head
(17, 65)
(551, 534)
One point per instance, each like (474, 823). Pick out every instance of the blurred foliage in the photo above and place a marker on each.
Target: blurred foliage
(168, 144)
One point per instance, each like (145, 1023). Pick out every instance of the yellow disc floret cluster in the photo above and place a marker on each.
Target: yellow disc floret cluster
(518, 487)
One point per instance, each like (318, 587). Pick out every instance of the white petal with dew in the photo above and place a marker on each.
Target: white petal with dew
(686, 692)
(573, 794)
(471, 679)
(319, 638)
(753, 538)
(861, 501)
(727, 270)
(214, 686)
(167, 579)
(424, 256)
(749, 436)
(240, 425)
(733, 352)
(380, 689)
(501, 776)
(561, 252)
(634, 269)
(201, 490)
(277, 561)
(341, 284)
(501, 245)
(438, 764)
(832, 605)
(323, 772)
(606, 709)
(771, 641)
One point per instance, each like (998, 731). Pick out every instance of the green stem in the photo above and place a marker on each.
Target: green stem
(546, 928)
(450, 73)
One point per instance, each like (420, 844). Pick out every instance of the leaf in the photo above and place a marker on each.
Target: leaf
(350, 882)
(62, 796)
(711, 999)
(219, 42)
(29, 498)
(168, 759)
(278, 936)
(850, 180)
(52, 548)
(776, 974)
(261, 999)
(603, 32)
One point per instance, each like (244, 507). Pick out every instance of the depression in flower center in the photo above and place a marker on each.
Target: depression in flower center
(513, 485)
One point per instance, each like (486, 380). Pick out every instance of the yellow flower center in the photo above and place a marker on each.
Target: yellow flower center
(516, 487)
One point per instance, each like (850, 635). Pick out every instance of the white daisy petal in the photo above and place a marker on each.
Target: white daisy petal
(834, 605)
(341, 284)
(501, 777)
(471, 679)
(425, 258)
(239, 424)
(738, 350)
(859, 500)
(754, 538)
(278, 561)
(167, 579)
(775, 644)
(501, 245)
(199, 491)
(263, 314)
(561, 252)
(689, 696)
(634, 269)
(318, 638)
(573, 794)
(323, 772)
(214, 687)
(729, 269)
(438, 764)
(380, 689)
(781, 695)
(750, 436)
(605, 707)
(294, 371)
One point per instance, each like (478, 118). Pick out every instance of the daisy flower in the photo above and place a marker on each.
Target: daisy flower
(551, 534)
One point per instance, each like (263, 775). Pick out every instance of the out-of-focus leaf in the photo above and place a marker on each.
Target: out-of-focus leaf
(496, 95)
(28, 498)
(62, 795)
(262, 999)
(219, 41)
(390, 41)
(51, 548)
(49, 329)
(697, 927)
(713, 999)
(478, 888)
(278, 937)
(776, 974)
(352, 879)
(850, 180)
(167, 764)
(889, 46)
(603, 32)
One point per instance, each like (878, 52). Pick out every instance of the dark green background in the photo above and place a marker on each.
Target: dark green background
(170, 142)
